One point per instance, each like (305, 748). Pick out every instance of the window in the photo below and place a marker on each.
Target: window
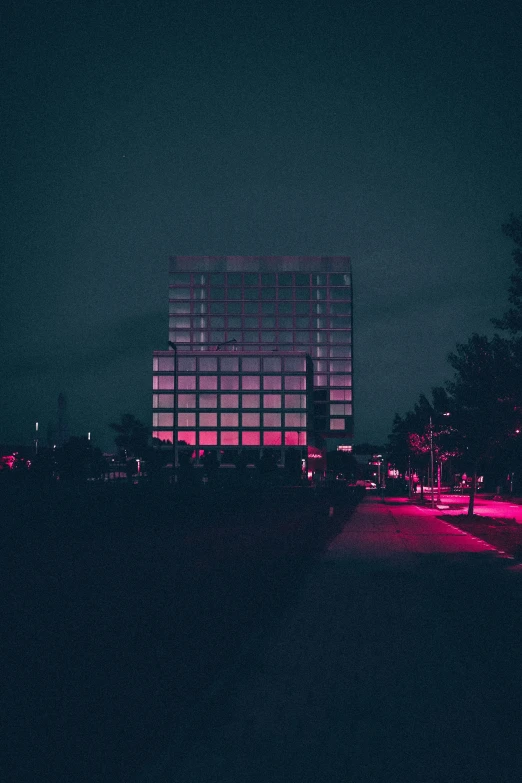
(187, 437)
(250, 382)
(208, 400)
(285, 322)
(302, 308)
(339, 279)
(229, 382)
(166, 437)
(272, 401)
(250, 400)
(230, 438)
(295, 382)
(187, 382)
(234, 308)
(163, 401)
(251, 293)
(285, 278)
(234, 322)
(268, 323)
(272, 420)
(251, 308)
(234, 278)
(163, 382)
(285, 338)
(208, 382)
(179, 308)
(186, 419)
(229, 400)
(250, 420)
(320, 380)
(268, 293)
(250, 438)
(340, 410)
(339, 293)
(218, 278)
(251, 337)
(179, 278)
(295, 438)
(217, 307)
(251, 323)
(187, 364)
(293, 363)
(295, 419)
(208, 364)
(272, 364)
(179, 322)
(217, 337)
(250, 278)
(234, 293)
(301, 323)
(284, 308)
(179, 337)
(229, 363)
(186, 401)
(207, 438)
(302, 338)
(217, 293)
(179, 293)
(345, 366)
(295, 401)
(272, 382)
(229, 419)
(268, 308)
(162, 419)
(340, 380)
(340, 395)
(272, 439)
(302, 293)
(208, 419)
(337, 424)
(319, 279)
(340, 308)
(302, 279)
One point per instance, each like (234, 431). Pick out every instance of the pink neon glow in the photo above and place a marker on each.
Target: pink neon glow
(230, 438)
(272, 439)
(229, 382)
(187, 436)
(229, 419)
(250, 438)
(207, 438)
(250, 382)
(208, 382)
(166, 437)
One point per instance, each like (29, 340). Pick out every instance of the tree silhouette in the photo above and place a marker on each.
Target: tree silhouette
(132, 437)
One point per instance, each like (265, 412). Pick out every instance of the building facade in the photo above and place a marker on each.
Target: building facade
(261, 352)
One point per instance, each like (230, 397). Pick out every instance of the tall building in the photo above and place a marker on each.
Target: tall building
(266, 343)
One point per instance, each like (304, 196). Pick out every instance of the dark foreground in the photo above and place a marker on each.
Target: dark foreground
(122, 606)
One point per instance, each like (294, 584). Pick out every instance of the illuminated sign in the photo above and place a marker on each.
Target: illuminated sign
(344, 448)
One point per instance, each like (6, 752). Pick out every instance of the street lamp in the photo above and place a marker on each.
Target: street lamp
(431, 464)
(227, 342)
(175, 423)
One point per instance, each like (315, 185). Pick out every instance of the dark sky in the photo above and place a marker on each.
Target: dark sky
(390, 132)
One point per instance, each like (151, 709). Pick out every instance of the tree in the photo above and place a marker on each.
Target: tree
(512, 318)
(131, 438)
(486, 398)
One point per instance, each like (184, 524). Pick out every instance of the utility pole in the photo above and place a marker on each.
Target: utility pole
(431, 465)
(175, 423)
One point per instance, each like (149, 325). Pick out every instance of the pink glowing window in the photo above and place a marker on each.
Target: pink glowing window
(295, 438)
(163, 401)
(250, 438)
(163, 420)
(340, 395)
(166, 437)
(207, 438)
(229, 438)
(166, 363)
(341, 366)
(294, 364)
(250, 401)
(295, 419)
(320, 380)
(187, 382)
(229, 364)
(208, 382)
(340, 380)
(250, 419)
(295, 382)
(186, 401)
(229, 382)
(272, 439)
(271, 419)
(229, 419)
(337, 424)
(208, 364)
(295, 401)
(186, 419)
(230, 401)
(272, 382)
(272, 364)
(272, 401)
(208, 419)
(165, 381)
(208, 400)
(187, 437)
(179, 337)
(250, 382)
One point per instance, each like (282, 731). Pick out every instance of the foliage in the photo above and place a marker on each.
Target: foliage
(131, 438)
(512, 318)
(78, 460)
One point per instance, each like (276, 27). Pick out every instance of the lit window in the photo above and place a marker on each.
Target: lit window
(295, 419)
(340, 380)
(164, 381)
(208, 364)
(250, 420)
(187, 364)
(272, 400)
(207, 438)
(186, 382)
(229, 419)
(208, 419)
(163, 401)
(295, 382)
(166, 437)
(179, 322)
(272, 419)
(229, 363)
(186, 419)
(320, 380)
(229, 382)
(337, 424)
(295, 438)
(272, 439)
(186, 401)
(229, 401)
(250, 401)
(250, 382)
(187, 438)
(251, 364)
(179, 308)
(295, 401)
(230, 438)
(341, 366)
(272, 382)
(179, 337)
(340, 395)
(250, 438)
(295, 364)
(208, 382)
(208, 400)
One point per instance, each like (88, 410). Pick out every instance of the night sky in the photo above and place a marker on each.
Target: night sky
(390, 132)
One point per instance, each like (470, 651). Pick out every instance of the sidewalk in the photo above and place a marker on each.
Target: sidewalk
(371, 676)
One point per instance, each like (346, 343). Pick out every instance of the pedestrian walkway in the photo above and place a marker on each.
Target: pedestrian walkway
(367, 678)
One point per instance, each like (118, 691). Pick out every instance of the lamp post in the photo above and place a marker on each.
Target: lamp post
(431, 465)
(175, 423)
(227, 342)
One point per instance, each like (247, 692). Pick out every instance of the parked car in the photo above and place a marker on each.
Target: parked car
(366, 483)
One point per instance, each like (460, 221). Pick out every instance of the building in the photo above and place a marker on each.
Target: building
(261, 353)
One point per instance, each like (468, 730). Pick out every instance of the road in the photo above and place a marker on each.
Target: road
(399, 661)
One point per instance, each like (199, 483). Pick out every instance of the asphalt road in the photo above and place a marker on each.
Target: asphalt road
(399, 661)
